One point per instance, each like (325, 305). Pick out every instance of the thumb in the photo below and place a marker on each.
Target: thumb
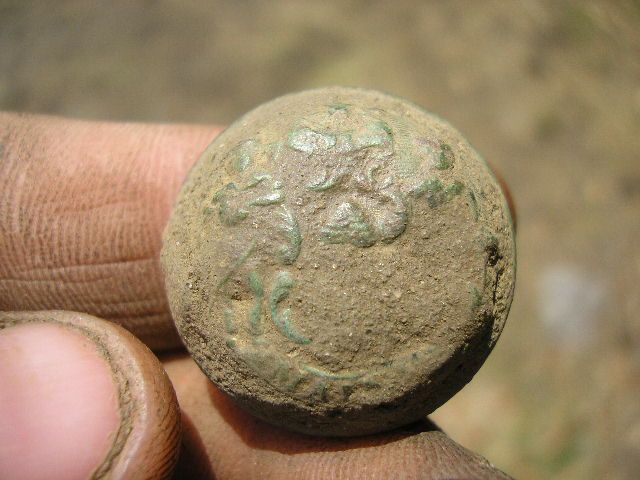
(81, 397)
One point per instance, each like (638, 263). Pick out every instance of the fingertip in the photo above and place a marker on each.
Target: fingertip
(58, 403)
(86, 398)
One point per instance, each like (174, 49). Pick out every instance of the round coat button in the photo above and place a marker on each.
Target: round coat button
(340, 261)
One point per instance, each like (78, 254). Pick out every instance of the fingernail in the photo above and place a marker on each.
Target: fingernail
(58, 403)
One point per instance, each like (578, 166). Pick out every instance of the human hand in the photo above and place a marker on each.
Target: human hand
(82, 212)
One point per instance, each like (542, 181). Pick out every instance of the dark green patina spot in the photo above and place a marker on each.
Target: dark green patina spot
(445, 158)
(337, 107)
(476, 298)
(435, 191)
(454, 189)
(281, 287)
(473, 204)
(430, 186)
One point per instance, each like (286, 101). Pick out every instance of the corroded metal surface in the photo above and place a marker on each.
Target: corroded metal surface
(340, 261)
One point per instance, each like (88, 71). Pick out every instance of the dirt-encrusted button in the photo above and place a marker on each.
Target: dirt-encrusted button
(340, 262)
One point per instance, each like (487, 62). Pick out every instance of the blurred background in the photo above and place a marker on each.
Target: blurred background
(548, 91)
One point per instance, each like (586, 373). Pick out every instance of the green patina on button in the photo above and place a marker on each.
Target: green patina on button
(340, 250)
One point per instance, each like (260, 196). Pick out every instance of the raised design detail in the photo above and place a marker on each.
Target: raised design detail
(371, 189)
(240, 157)
(309, 141)
(282, 320)
(308, 382)
(289, 250)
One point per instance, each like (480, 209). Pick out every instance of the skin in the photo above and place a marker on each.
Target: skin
(82, 209)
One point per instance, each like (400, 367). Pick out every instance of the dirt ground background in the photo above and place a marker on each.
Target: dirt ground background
(548, 91)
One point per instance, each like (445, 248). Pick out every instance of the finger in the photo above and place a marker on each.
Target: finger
(240, 446)
(82, 397)
(82, 209)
